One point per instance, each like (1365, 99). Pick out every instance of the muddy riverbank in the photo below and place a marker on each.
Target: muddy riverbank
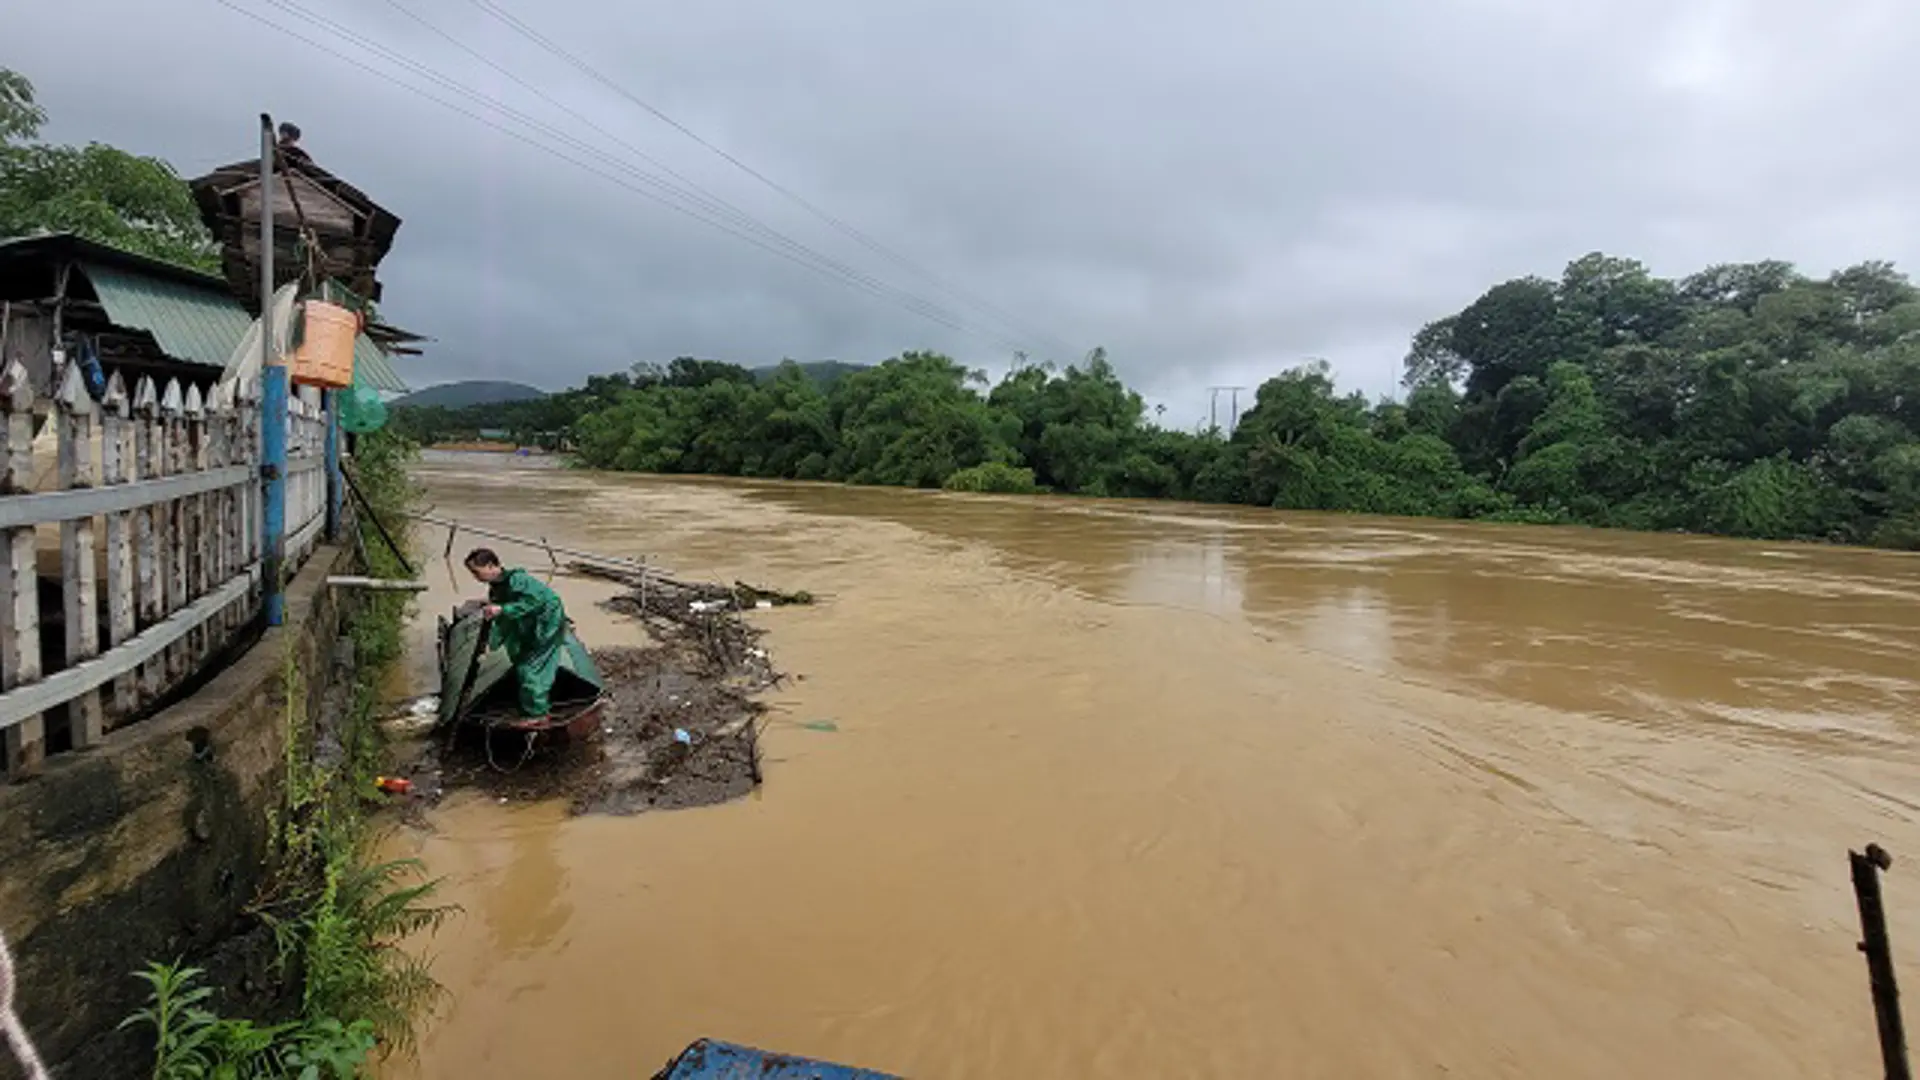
(1075, 788)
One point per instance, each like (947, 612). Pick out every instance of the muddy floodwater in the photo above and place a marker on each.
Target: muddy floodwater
(1129, 789)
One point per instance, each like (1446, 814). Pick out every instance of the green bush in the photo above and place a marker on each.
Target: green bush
(192, 1043)
(380, 463)
(993, 477)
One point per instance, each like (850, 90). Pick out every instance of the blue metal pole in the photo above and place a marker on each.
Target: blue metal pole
(330, 401)
(273, 401)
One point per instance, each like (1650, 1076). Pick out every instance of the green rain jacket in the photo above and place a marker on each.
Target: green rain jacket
(532, 628)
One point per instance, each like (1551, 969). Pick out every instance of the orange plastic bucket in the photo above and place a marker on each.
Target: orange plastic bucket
(325, 355)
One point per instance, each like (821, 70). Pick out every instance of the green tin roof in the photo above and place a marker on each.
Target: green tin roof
(372, 368)
(204, 326)
(200, 326)
(370, 364)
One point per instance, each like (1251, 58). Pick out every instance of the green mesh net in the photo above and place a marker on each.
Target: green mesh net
(361, 410)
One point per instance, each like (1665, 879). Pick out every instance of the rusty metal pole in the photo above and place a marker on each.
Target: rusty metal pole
(1873, 942)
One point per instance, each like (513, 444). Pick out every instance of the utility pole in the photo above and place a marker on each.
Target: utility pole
(1213, 407)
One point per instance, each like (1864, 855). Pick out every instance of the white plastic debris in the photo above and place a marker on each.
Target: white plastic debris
(416, 716)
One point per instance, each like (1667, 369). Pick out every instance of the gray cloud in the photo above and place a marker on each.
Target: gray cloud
(1213, 191)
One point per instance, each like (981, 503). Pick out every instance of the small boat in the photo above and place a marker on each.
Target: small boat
(478, 686)
(708, 1059)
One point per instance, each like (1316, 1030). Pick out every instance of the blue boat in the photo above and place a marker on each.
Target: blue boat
(708, 1059)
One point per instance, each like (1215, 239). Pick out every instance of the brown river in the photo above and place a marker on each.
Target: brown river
(1133, 789)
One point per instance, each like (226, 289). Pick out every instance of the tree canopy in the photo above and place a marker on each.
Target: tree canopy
(1747, 399)
(135, 203)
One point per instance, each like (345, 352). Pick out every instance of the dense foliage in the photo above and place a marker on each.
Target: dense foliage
(1746, 399)
(135, 203)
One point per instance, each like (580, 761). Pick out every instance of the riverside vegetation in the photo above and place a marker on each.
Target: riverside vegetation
(1746, 400)
(337, 914)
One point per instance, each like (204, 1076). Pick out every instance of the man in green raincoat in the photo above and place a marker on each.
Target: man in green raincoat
(529, 622)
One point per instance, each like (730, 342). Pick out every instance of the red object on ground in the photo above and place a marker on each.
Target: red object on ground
(395, 785)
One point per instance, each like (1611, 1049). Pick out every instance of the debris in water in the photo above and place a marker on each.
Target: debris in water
(413, 717)
(680, 725)
(821, 725)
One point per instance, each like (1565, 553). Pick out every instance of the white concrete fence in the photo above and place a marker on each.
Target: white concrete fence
(157, 511)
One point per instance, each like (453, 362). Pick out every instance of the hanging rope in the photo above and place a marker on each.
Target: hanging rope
(10, 1025)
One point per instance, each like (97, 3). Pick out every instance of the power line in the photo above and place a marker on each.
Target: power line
(910, 301)
(788, 249)
(516, 24)
(687, 187)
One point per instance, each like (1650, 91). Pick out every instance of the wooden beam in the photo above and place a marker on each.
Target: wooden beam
(24, 746)
(117, 467)
(86, 722)
(150, 447)
(29, 510)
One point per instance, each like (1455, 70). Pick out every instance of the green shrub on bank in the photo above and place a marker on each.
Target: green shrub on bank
(994, 477)
(192, 1043)
(380, 462)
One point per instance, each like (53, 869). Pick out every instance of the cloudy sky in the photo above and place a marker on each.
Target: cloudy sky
(1214, 190)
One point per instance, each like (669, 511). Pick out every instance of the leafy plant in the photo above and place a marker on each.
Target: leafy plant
(193, 1043)
(349, 939)
(184, 1032)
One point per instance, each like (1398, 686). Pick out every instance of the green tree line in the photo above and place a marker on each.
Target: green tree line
(135, 203)
(1745, 400)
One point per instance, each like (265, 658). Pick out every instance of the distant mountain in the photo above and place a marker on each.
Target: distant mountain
(460, 395)
(823, 372)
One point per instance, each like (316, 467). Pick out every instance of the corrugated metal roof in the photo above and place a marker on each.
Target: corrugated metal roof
(372, 368)
(202, 326)
(199, 326)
